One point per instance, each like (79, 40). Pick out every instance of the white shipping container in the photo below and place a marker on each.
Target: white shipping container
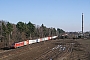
(43, 39)
(50, 37)
(38, 40)
(54, 37)
(26, 42)
(33, 41)
(30, 41)
(46, 38)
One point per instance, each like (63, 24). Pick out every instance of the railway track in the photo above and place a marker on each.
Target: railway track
(9, 54)
(12, 54)
(53, 54)
(44, 52)
(3, 51)
(50, 54)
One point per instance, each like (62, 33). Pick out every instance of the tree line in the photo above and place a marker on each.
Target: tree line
(23, 31)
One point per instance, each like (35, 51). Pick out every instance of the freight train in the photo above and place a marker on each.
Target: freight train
(27, 42)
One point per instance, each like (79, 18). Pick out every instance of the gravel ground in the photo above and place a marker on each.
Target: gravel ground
(50, 50)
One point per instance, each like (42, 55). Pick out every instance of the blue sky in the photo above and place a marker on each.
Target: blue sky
(64, 14)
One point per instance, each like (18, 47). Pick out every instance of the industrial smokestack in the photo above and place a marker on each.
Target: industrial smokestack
(82, 23)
